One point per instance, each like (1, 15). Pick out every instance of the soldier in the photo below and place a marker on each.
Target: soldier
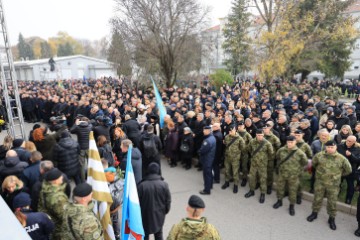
(291, 160)
(79, 220)
(260, 150)
(276, 144)
(207, 155)
(330, 166)
(194, 226)
(244, 159)
(53, 198)
(303, 146)
(234, 145)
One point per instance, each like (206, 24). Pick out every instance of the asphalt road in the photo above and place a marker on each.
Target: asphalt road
(237, 218)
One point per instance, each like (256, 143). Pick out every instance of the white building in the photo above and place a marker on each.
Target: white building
(213, 53)
(70, 67)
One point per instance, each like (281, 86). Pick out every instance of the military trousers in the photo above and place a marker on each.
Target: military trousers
(270, 173)
(244, 161)
(322, 190)
(260, 171)
(83, 158)
(291, 182)
(232, 166)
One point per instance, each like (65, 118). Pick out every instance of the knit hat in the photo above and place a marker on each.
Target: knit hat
(65, 134)
(17, 142)
(153, 168)
(82, 190)
(21, 200)
(196, 202)
(53, 174)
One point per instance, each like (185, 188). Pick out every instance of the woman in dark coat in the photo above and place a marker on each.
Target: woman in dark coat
(11, 187)
(188, 148)
(171, 144)
(66, 156)
(155, 201)
(45, 142)
(118, 137)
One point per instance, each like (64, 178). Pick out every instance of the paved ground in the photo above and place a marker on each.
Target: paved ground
(238, 218)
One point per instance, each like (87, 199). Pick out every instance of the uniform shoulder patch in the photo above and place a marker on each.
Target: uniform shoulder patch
(205, 143)
(96, 235)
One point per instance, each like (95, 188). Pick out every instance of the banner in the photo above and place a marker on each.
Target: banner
(159, 104)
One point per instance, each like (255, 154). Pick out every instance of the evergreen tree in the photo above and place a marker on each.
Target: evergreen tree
(119, 55)
(237, 44)
(25, 50)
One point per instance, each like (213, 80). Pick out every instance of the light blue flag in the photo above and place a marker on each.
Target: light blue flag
(131, 225)
(159, 104)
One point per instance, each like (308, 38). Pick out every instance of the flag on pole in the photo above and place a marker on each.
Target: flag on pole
(131, 225)
(101, 192)
(159, 104)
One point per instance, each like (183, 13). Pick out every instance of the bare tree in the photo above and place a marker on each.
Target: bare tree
(161, 30)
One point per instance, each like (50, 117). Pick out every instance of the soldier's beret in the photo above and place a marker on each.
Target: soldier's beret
(21, 200)
(82, 190)
(298, 131)
(256, 115)
(207, 127)
(232, 126)
(330, 143)
(196, 202)
(53, 174)
(290, 138)
(259, 131)
(240, 123)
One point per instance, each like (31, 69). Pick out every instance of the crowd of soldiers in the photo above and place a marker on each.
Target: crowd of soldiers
(261, 133)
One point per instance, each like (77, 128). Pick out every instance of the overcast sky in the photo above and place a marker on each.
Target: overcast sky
(87, 19)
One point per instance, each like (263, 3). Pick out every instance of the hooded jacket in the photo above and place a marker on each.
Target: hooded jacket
(66, 155)
(12, 166)
(82, 131)
(136, 161)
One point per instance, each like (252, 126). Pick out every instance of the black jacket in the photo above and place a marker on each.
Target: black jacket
(102, 130)
(132, 130)
(158, 145)
(82, 132)
(187, 140)
(219, 144)
(66, 155)
(12, 166)
(155, 202)
(136, 161)
(38, 225)
(354, 158)
(23, 154)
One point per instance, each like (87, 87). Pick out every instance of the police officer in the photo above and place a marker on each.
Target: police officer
(244, 153)
(52, 199)
(330, 166)
(276, 144)
(194, 226)
(79, 220)
(291, 160)
(234, 145)
(260, 150)
(207, 155)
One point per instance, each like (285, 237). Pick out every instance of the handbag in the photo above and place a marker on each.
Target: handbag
(184, 147)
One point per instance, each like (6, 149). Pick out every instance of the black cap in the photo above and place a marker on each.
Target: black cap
(196, 202)
(255, 115)
(207, 127)
(259, 131)
(337, 112)
(290, 138)
(330, 143)
(53, 174)
(82, 190)
(22, 199)
(240, 123)
(298, 131)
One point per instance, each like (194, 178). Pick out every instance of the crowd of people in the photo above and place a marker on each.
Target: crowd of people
(261, 133)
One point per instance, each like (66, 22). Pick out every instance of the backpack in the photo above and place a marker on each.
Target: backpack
(105, 152)
(116, 190)
(150, 149)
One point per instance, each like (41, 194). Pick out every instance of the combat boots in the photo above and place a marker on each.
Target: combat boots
(357, 232)
(262, 198)
(331, 222)
(291, 210)
(225, 186)
(250, 194)
(269, 190)
(312, 217)
(298, 199)
(235, 190)
(243, 182)
(277, 204)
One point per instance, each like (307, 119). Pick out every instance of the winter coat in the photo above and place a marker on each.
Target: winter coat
(189, 141)
(116, 147)
(38, 225)
(132, 129)
(82, 132)
(171, 144)
(207, 150)
(66, 155)
(136, 161)
(12, 166)
(23, 154)
(3, 152)
(354, 158)
(106, 152)
(9, 197)
(155, 201)
(46, 146)
(102, 130)
(158, 145)
(31, 174)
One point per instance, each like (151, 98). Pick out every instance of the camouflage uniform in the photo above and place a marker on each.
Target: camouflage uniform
(259, 162)
(303, 146)
(289, 171)
(193, 229)
(275, 142)
(51, 201)
(232, 157)
(80, 222)
(329, 169)
(245, 154)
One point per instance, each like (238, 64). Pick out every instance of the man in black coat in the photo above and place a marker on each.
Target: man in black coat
(339, 119)
(352, 153)
(132, 129)
(218, 153)
(283, 128)
(155, 202)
